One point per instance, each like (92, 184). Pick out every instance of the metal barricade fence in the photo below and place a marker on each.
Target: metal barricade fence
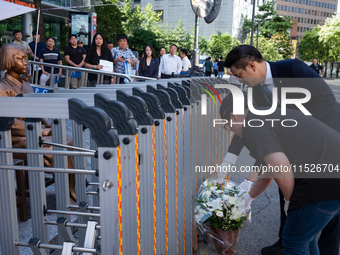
(155, 179)
(84, 78)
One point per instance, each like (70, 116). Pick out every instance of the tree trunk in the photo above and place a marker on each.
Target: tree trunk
(41, 21)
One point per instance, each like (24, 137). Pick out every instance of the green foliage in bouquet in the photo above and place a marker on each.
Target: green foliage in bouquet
(221, 206)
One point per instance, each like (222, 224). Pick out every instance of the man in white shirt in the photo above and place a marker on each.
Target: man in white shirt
(185, 61)
(18, 40)
(170, 64)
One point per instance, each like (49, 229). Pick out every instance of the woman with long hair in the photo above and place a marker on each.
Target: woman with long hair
(94, 54)
(149, 64)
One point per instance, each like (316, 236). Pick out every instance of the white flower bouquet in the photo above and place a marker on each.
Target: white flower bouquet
(220, 214)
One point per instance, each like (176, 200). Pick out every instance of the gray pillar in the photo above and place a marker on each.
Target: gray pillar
(26, 22)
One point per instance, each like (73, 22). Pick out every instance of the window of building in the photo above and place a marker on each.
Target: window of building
(308, 11)
(299, 1)
(301, 20)
(292, 9)
(319, 4)
(306, 2)
(293, 1)
(310, 2)
(303, 1)
(288, 8)
(312, 12)
(296, 10)
(298, 29)
(303, 11)
(281, 7)
(313, 3)
(162, 16)
(311, 21)
(299, 11)
(278, 7)
(285, 8)
(316, 3)
(304, 29)
(308, 21)
(317, 22)
(328, 6)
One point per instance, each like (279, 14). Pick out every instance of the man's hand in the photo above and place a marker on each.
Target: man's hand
(158, 77)
(59, 74)
(247, 201)
(286, 206)
(121, 59)
(99, 67)
(246, 185)
(46, 73)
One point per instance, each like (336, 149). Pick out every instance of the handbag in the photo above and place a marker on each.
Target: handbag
(128, 70)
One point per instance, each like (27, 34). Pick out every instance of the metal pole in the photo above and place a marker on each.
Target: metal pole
(257, 37)
(57, 247)
(69, 224)
(67, 146)
(48, 169)
(73, 213)
(252, 24)
(36, 45)
(196, 50)
(51, 152)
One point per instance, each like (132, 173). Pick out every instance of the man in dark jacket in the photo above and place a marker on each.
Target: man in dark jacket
(247, 64)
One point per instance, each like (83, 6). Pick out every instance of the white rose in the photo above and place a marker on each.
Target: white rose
(219, 213)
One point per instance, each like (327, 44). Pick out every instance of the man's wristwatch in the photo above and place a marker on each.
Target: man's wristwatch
(95, 67)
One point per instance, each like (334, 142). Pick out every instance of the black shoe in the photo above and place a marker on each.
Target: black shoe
(275, 249)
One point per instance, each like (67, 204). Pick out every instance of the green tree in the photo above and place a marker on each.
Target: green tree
(283, 45)
(221, 44)
(109, 19)
(311, 46)
(168, 35)
(271, 23)
(137, 17)
(267, 48)
(329, 34)
(203, 44)
(140, 38)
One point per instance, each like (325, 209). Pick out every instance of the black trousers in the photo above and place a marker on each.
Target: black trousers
(330, 235)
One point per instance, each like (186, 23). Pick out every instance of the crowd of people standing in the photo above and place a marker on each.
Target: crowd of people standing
(165, 65)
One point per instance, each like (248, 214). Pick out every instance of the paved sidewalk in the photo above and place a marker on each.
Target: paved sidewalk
(264, 228)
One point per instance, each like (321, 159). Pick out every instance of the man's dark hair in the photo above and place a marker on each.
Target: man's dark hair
(315, 58)
(71, 35)
(209, 58)
(241, 55)
(16, 31)
(109, 42)
(227, 105)
(163, 48)
(121, 36)
(185, 51)
(34, 32)
(221, 58)
(50, 37)
(173, 45)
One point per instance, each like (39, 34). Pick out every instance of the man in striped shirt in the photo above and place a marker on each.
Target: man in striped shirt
(50, 55)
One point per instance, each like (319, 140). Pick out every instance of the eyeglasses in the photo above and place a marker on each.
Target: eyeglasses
(226, 127)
